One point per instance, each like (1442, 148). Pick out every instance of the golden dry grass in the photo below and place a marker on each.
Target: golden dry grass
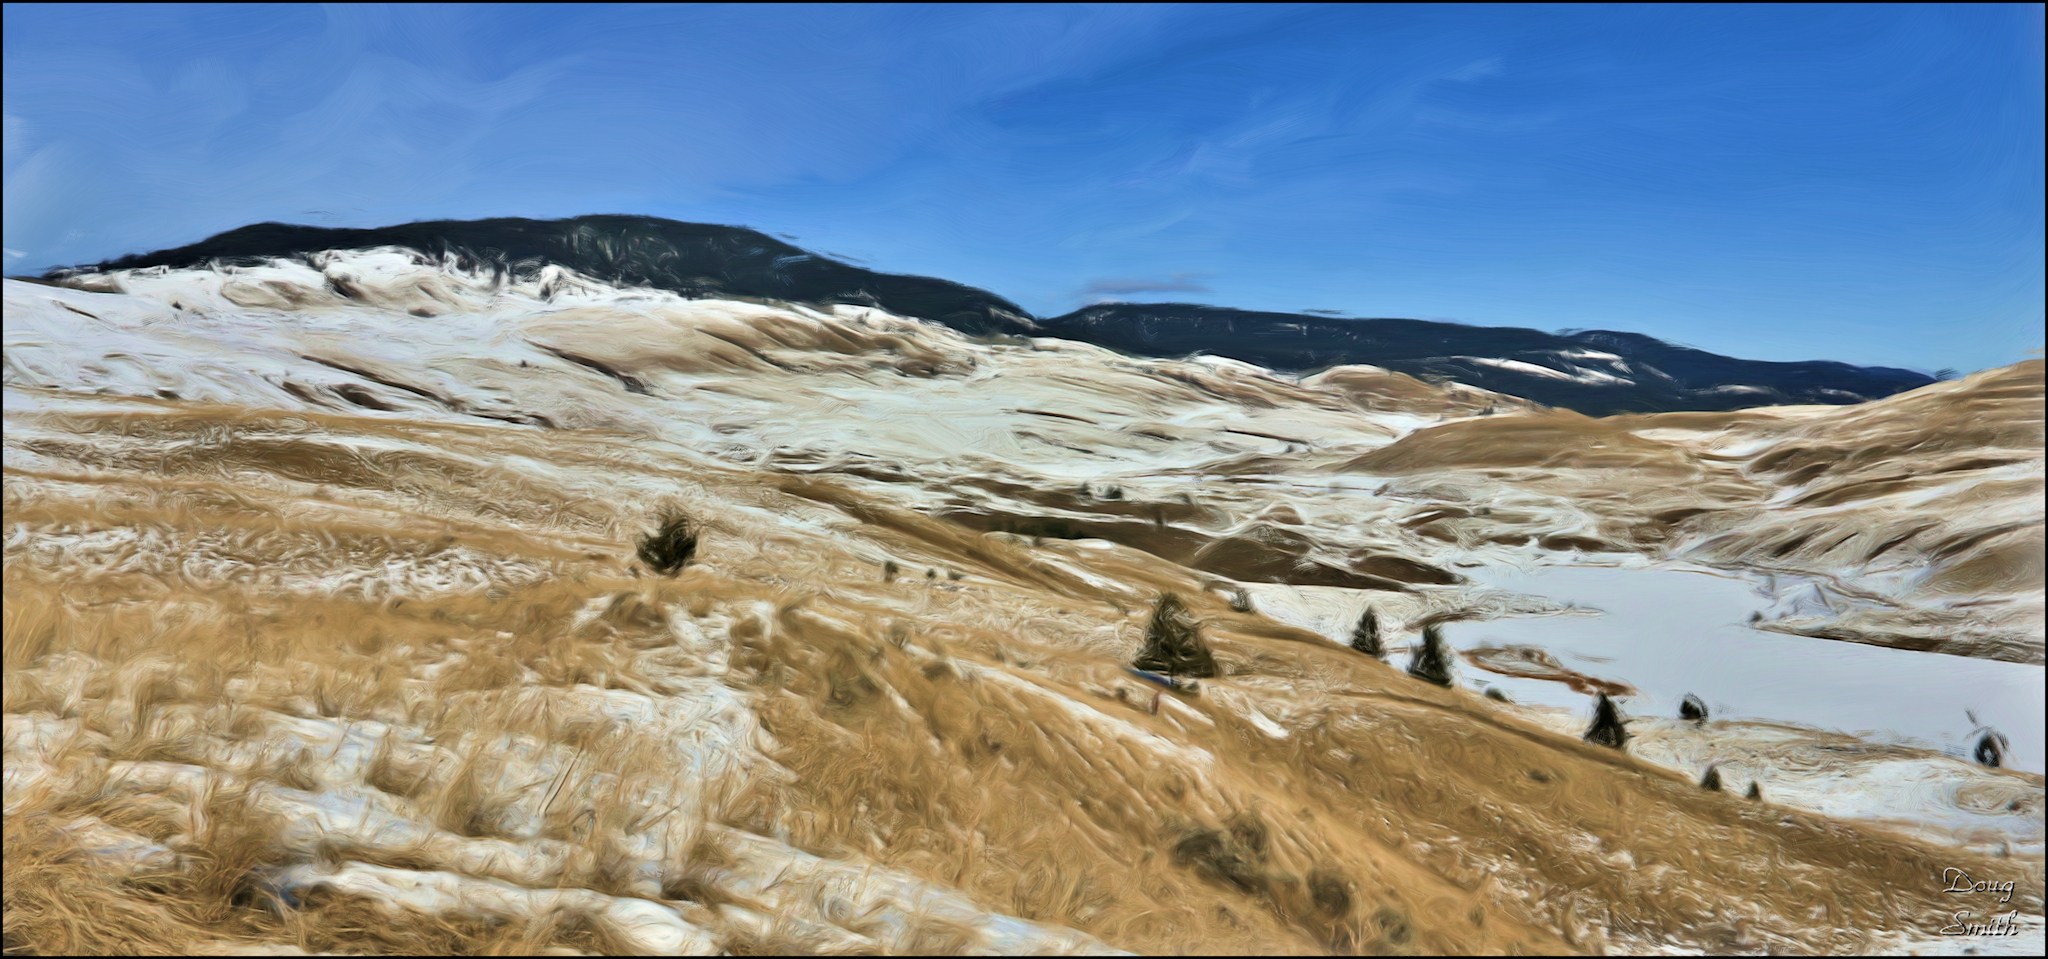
(980, 735)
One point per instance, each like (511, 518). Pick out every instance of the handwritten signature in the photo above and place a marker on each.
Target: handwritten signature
(1960, 881)
(2007, 924)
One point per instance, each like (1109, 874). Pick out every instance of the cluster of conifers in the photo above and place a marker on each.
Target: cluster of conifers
(1174, 652)
(1174, 649)
(1609, 728)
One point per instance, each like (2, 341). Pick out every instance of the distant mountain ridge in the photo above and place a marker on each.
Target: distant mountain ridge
(1593, 372)
(692, 259)
(1597, 372)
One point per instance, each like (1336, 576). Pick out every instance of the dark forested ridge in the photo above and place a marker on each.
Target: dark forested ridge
(1593, 372)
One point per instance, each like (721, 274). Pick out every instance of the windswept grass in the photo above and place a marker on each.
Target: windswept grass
(583, 738)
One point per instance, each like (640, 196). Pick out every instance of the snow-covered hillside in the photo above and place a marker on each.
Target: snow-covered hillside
(343, 547)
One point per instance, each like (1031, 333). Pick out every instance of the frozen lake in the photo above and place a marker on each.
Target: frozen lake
(1669, 631)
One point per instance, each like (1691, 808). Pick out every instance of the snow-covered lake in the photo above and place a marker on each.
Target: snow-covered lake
(1671, 631)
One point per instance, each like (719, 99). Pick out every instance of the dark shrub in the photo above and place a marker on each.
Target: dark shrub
(1234, 855)
(1494, 693)
(1991, 749)
(1173, 645)
(1693, 708)
(1712, 780)
(1330, 892)
(669, 548)
(1755, 791)
(1395, 931)
(889, 570)
(1209, 853)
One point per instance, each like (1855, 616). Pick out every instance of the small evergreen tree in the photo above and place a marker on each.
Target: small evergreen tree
(1431, 663)
(1365, 637)
(1693, 708)
(1755, 791)
(1712, 780)
(1607, 729)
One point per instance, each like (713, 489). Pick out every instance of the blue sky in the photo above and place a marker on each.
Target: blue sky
(1848, 182)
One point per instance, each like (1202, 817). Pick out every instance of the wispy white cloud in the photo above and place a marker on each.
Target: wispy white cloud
(1476, 70)
(1177, 283)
